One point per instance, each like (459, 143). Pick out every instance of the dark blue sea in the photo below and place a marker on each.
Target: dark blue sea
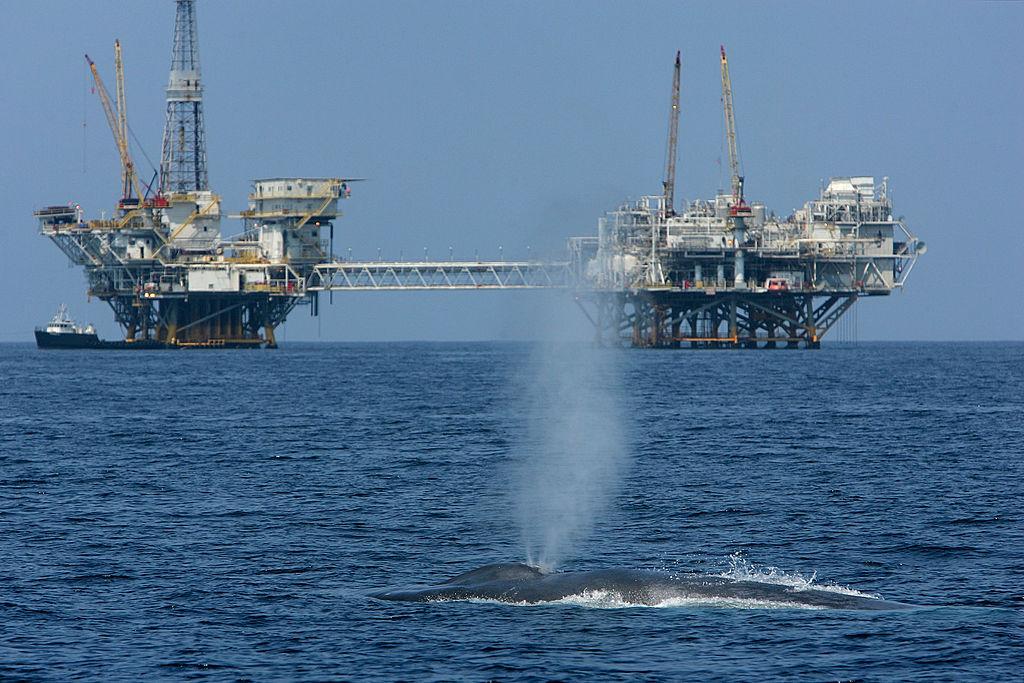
(225, 515)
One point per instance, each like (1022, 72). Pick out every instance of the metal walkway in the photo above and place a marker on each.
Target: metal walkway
(444, 275)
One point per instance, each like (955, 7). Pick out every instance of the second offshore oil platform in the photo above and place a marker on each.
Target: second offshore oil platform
(721, 273)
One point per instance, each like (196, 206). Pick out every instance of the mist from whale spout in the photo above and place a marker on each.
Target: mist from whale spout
(573, 455)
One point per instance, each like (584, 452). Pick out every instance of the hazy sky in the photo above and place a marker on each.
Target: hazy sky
(517, 124)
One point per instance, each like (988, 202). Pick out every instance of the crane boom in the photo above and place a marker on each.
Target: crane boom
(127, 171)
(673, 139)
(127, 167)
(730, 132)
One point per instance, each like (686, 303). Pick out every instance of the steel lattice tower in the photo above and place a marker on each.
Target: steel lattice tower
(183, 159)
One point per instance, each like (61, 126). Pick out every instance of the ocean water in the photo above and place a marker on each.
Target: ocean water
(224, 515)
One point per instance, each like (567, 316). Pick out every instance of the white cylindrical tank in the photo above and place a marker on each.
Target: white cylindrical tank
(272, 242)
(759, 214)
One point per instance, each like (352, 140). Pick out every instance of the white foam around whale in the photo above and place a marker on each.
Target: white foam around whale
(602, 599)
(740, 569)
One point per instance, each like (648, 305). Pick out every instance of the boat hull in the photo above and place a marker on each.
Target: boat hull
(49, 340)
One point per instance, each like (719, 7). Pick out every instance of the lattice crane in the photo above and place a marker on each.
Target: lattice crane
(669, 183)
(127, 172)
(730, 132)
(118, 125)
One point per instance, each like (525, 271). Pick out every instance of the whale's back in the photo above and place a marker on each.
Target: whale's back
(514, 582)
(500, 571)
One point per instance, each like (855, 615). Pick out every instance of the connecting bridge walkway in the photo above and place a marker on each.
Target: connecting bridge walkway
(443, 275)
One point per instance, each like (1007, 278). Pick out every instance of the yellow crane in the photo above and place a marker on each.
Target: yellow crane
(730, 132)
(127, 173)
(669, 184)
(118, 125)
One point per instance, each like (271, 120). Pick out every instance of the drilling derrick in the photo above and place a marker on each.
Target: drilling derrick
(183, 157)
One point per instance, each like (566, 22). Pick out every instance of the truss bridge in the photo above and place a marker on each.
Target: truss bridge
(384, 275)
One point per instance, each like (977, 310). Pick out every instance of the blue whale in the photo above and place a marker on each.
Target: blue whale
(522, 583)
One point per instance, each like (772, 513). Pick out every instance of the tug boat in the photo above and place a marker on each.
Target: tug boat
(63, 333)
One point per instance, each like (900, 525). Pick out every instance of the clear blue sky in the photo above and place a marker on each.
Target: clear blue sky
(517, 124)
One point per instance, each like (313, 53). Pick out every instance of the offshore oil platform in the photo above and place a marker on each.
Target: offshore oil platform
(723, 273)
(719, 274)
